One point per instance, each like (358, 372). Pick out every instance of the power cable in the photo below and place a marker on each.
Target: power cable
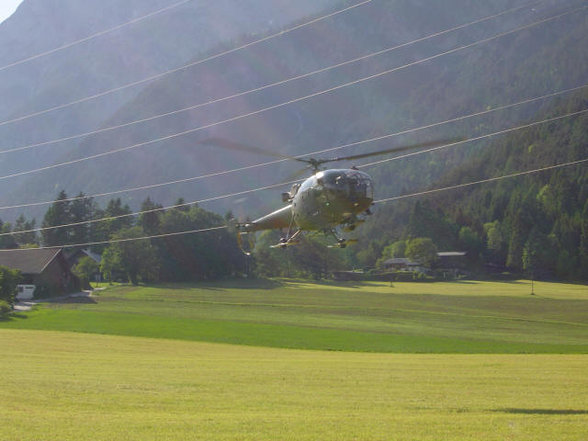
(96, 35)
(482, 181)
(152, 210)
(331, 149)
(315, 94)
(381, 201)
(258, 89)
(477, 138)
(240, 193)
(186, 66)
(128, 239)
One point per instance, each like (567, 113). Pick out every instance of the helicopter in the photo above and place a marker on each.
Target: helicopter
(328, 201)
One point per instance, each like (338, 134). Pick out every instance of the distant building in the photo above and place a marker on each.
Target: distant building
(47, 269)
(452, 263)
(404, 264)
(346, 276)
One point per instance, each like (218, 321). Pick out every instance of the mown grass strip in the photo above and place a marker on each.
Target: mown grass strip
(75, 387)
(277, 336)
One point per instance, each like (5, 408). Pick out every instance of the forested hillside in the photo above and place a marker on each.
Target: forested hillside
(535, 223)
(384, 73)
(544, 58)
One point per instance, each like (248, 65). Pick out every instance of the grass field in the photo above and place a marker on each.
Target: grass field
(433, 361)
(460, 317)
(69, 386)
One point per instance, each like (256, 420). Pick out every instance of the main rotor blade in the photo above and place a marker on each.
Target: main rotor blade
(393, 150)
(231, 145)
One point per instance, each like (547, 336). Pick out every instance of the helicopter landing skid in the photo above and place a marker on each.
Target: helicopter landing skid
(288, 241)
(342, 243)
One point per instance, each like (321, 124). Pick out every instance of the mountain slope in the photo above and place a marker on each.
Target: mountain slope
(529, 63)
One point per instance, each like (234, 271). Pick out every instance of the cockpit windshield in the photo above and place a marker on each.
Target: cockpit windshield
(356, 184)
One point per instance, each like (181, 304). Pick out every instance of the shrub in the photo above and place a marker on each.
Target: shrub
(5, 309)
(8, 281)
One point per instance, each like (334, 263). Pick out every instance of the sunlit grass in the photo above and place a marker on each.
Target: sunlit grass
(460, 317)
(70, 386)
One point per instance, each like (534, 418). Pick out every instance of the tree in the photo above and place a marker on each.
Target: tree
(25, 239)
(368, 255)
(9, 279)
(423, 250)
(395, 249)
(514, 258)
(7, 241)
(137, 258)
(495, 243)
(57, 214)
(85, 269)
(81, 210)
(150, 219)
(472, 243)
(204, 255)
(110, 263)
(538, 255)
(426, 221)
(584, 243)
(104, 230)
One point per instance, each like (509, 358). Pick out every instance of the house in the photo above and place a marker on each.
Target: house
(404, 264)
(452, 259)
(45, 268)
(452, 263)
(348, 276)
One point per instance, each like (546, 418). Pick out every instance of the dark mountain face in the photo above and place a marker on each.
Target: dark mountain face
(130, 54)
(528, 63)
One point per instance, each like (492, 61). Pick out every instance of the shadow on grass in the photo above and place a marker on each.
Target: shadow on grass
(325, 282)
(12, 316)
(68, 300)
(542, 411)
(219, 285)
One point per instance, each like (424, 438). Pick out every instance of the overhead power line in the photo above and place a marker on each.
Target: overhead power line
(129, 239)
(186, 66)
(381, 201)
(482, 181)
(477, 138)
(240, 193)
(315, 94)
(267, 86)
(331, 149)
(93, 36)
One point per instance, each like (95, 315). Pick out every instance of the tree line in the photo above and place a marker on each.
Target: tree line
(186, 257)
(536, 225)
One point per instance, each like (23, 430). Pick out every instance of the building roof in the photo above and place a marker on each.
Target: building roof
(452, 253)
(396, 261)
(400, 261)
(28, 261)
(79, 253)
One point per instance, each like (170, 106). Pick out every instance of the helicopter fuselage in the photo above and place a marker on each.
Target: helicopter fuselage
(331, 198)
(322, 202)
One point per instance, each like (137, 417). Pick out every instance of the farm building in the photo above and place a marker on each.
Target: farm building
(403, 264)
(47, 269)
(452, 263)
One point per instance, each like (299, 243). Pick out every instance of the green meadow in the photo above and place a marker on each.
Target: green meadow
(293, 360)
(460, 317)
(70, 386)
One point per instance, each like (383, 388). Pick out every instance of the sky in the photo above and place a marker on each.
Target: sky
(7, 7)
